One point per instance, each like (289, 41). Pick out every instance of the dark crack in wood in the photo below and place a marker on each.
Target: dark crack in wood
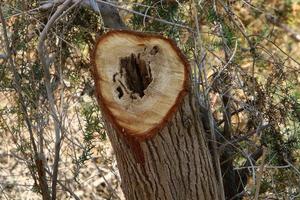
(154, 50)
(120, 92)
(137, 74)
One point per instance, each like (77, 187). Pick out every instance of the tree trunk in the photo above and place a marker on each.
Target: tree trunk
(152, 118)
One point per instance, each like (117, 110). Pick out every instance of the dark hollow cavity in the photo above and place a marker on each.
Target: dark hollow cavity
(137, 75)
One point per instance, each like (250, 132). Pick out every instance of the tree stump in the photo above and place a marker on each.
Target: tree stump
(152, 120)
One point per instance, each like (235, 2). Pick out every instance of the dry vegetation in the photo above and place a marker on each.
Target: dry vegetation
(245, 60)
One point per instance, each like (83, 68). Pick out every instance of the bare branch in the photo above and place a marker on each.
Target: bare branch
(65, 187)
(292, 33)
(242, 176)
(260, 173)
(109, 13)
(42, 52)
(243, 137)
(233, 113)
(38, 157)
(108, 10)
(211, 124)
(105, 6)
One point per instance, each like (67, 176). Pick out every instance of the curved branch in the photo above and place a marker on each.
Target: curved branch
(292, 33)
(42, 52)
(38, 158)
(243, 175)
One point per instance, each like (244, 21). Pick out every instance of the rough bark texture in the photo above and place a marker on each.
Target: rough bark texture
(152, 118)
(177, 163)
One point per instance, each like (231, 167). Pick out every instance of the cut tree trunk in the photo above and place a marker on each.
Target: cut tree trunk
(152, 120)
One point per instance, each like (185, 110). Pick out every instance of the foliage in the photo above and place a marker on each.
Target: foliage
(245, 63)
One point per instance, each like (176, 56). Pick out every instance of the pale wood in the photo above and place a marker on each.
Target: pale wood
(139, 116)
(157, 135)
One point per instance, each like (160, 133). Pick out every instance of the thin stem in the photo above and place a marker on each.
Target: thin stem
(39, 158)
(53, 111)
